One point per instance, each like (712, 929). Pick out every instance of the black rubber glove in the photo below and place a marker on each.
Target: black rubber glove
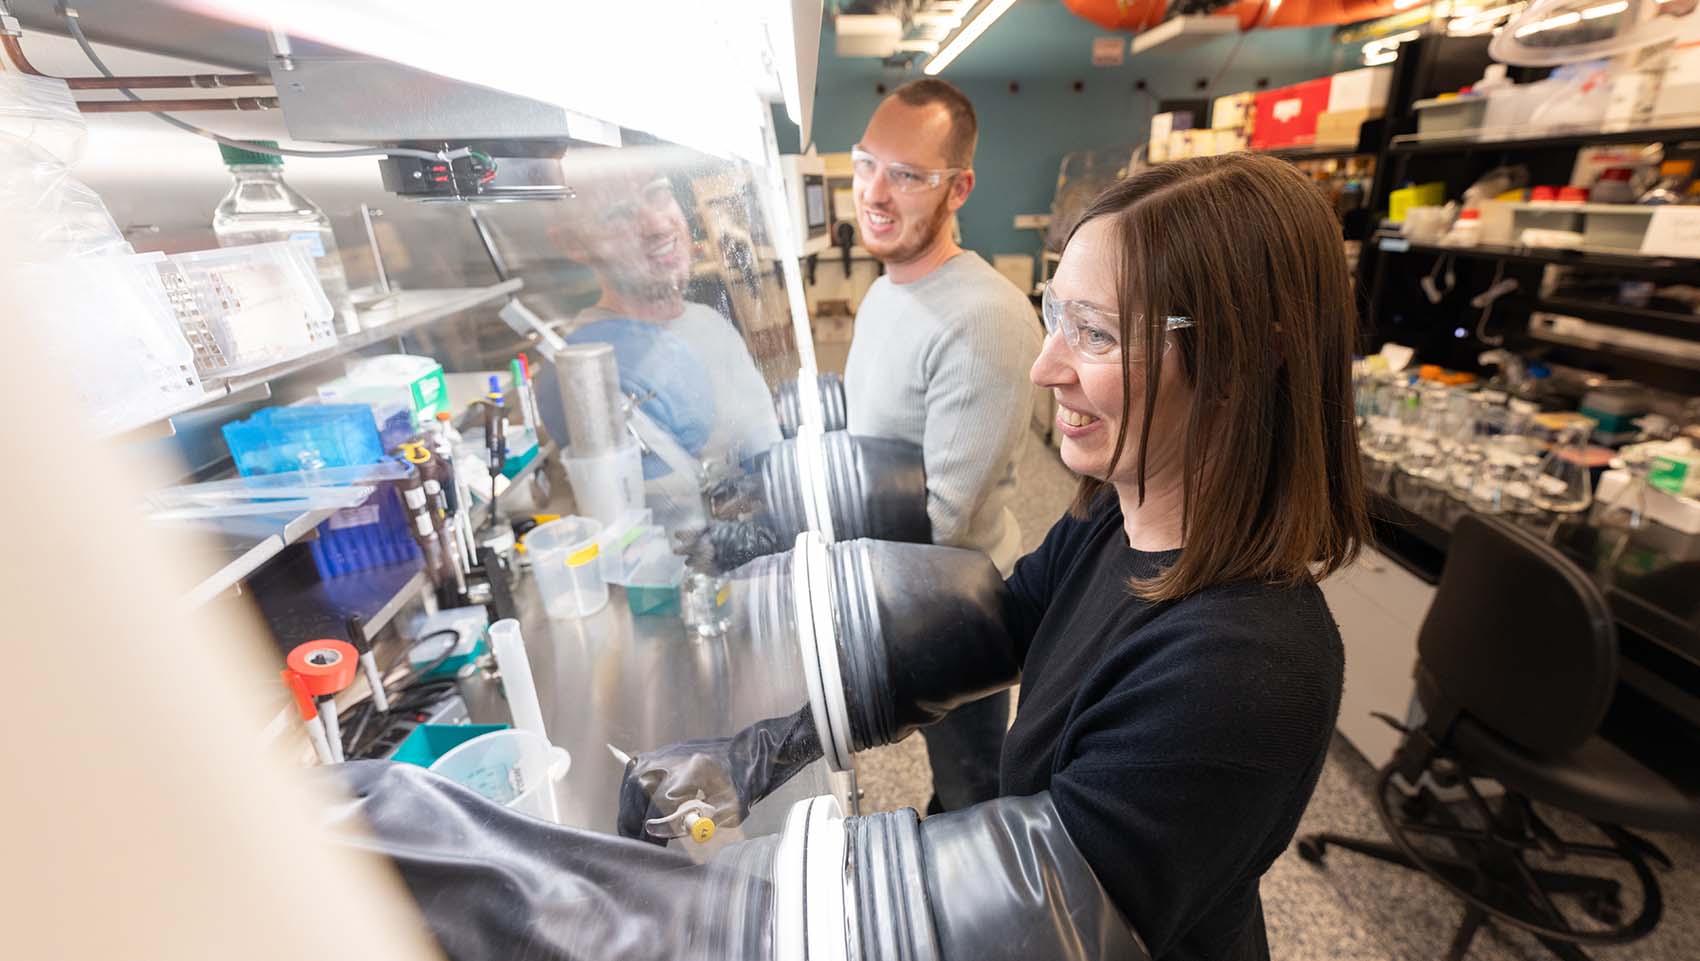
(498, 885)
(716, 778)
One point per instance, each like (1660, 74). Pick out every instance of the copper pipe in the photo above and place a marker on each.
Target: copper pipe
(169, 82)
(177, 106)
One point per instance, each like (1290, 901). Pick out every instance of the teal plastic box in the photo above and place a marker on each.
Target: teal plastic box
(428, 742)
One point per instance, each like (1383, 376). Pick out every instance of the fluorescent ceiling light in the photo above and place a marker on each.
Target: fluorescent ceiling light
(1605, 10)
(969, 33)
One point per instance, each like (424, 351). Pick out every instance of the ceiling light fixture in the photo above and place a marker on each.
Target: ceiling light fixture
(970, 32)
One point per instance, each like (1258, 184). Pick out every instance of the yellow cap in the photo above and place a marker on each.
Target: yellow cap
(702, 831)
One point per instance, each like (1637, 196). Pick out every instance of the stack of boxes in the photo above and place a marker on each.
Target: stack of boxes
(1354, 98)
(1231, 123)
(1326, 112)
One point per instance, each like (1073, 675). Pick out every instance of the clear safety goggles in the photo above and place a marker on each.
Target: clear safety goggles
(1094, 333)
(904, 178)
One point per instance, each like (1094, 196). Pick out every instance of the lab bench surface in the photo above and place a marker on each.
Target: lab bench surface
(641, 682)
(1650, 578)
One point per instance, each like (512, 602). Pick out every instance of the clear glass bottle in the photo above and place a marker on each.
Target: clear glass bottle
(1562, 485)
(261, 208)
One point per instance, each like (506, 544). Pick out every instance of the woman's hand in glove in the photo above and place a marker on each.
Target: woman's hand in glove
(715, 778)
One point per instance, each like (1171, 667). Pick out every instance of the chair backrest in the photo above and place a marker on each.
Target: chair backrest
(1518, 638)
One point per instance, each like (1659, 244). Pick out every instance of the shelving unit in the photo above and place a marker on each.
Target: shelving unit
(239, 550)
(1674, 267)
(1478, 141)
(406, 311)
(1393, 302)
(308, 609)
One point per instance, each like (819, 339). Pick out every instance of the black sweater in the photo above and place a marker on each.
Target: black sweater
(1180, 741)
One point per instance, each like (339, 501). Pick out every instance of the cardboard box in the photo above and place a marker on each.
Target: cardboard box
(1365, 89)
(1164, 124)
(1287, 117)
(1231, 141)
(1341, 128)
(1231, 111)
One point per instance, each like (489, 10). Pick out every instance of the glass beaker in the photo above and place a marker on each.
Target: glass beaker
(1386, 434)
(1561, 484)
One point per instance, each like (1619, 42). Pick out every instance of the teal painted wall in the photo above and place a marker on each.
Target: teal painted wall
(1024, 134)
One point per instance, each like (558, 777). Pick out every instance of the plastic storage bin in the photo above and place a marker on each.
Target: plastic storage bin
(564, 556)
(1550, 216)
(1452, 115)
(517, 769)
(1615, 226)
(652, 586)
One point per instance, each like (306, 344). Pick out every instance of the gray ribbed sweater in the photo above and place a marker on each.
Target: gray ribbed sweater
(942, 362)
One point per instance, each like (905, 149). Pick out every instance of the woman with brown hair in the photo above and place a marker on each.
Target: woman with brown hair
(1180, 673)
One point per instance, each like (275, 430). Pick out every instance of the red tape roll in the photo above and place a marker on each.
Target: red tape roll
(326, 666)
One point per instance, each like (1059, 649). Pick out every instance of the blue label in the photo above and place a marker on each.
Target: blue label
(314, 242)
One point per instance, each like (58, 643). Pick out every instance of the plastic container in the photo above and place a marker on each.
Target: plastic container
(517, 769)
(427, 744)
(1444, 115)
(1466, 230)
(246, 308)
(564, 556)
(1613, 187)
(652, 585)
(261, 208)
(1615, 226)
(609, 485)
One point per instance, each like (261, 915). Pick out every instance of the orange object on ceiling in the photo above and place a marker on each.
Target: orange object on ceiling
(1137, 15)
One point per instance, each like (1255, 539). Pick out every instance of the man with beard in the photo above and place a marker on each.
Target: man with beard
(940, 357)
(626, 225)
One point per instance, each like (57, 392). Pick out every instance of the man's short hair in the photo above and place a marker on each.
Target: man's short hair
(964, 126)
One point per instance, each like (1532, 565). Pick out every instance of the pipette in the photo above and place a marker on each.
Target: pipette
(368, 663)
(309, 715)
(692, 815)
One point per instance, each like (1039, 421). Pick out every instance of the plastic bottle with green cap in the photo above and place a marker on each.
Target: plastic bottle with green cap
(261, 208)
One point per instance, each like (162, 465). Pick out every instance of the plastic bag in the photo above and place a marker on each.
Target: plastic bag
(1581, 94)
(49, 214)
(42, 111)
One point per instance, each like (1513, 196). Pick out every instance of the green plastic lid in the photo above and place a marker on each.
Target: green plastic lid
(236, 155)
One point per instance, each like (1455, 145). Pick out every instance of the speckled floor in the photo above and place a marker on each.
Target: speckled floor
(1353, 909)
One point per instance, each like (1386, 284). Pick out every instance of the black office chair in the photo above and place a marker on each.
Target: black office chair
(1517, 664)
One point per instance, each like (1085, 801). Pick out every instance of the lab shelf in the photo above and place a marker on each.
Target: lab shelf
(1663, 322)
(406, 311)
(1472, 141)
(1555, 256)
(299, 607)
(244, 546)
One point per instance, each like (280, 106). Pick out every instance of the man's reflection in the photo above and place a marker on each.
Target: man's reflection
(685, 361)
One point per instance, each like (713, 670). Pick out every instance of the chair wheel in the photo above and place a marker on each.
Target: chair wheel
(1310, 849)
(1603, 907)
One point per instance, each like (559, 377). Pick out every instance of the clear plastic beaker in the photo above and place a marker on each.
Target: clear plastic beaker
(517, 769)
(564, 557)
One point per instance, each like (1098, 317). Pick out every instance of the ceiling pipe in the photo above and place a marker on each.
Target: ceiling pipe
(177, 106)
(204, 81)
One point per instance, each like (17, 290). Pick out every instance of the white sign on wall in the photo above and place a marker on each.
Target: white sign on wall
(1108, 51)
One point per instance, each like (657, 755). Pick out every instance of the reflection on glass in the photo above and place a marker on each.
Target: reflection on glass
(687, 367)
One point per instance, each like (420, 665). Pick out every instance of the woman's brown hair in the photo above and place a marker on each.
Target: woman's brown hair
(1247, 248)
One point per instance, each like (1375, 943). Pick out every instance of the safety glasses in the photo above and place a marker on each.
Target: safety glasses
(1092, 332)
(903, 178)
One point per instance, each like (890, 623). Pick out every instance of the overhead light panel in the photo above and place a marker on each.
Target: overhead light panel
(970, 32)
